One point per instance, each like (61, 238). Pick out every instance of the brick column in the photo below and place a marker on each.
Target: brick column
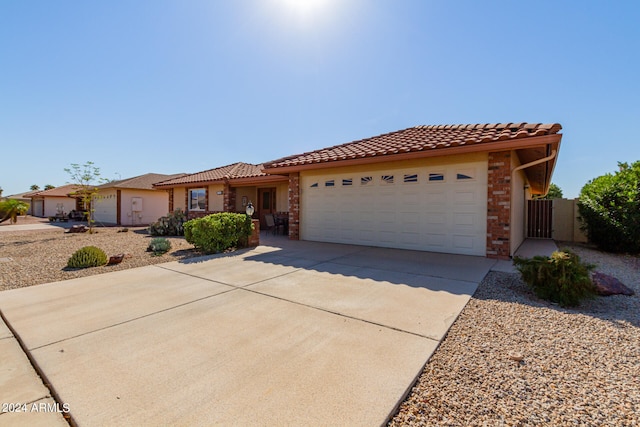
(254, 239)
(499, 205)
(170, 191)
(229, 198)
(294, 206)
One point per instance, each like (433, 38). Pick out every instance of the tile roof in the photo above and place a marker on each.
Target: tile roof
(419, 139)
(142, 182)
(233, 171)
(62, 191)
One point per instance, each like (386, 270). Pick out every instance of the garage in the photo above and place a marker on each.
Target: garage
(458, 189)
(431, 206)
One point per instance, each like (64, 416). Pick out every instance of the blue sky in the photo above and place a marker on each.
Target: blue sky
(183, 86)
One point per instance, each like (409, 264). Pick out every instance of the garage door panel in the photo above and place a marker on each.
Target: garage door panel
(446, 214)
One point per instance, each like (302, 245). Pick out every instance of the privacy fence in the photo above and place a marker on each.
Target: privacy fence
(554, 219)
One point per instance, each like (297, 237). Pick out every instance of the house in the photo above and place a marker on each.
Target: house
(454, 188)
(56, 201)
(228, 189)
(131, 202)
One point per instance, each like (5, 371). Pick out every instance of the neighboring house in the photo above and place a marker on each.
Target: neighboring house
(23, 197)
(455, 188)
(228, 189)
(55, 201)
(131, 202)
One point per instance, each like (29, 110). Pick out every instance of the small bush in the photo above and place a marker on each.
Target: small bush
(170, 225)
(89, 256)
(561, 278)
(159, 246)
(218, 232)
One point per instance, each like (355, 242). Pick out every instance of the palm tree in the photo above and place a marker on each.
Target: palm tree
(10, 209)
(34, 187)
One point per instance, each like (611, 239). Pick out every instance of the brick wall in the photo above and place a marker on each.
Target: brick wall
(294, 206)
(254, 239)
(229, 198)
(499, 205)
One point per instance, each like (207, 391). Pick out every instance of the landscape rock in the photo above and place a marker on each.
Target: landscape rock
(609, 285)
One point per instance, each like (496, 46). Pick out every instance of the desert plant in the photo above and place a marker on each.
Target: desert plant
(88, 256)
(170, 225)
(562, 278)
(10, 209)
(159, 246)
(218, 232)
(85, 177)
(609, 209)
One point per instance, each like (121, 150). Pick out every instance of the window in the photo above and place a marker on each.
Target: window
(314, 185)
(462, 175)
(347, 181)
(197, 200)
(434, 177)
(365, 180)
(411, 177)
(330, 183)
(387, 179)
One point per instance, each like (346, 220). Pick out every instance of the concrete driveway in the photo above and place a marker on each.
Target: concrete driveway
(291, 333)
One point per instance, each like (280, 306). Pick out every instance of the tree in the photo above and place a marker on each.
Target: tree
(10, 209)
(49, 187)
(609, 209)
(0, 191)
(34, 187)
(555, 192)
(86, 178)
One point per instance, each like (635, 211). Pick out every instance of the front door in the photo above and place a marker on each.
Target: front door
(266, 203)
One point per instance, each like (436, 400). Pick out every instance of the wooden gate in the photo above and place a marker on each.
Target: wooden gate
(539, 219)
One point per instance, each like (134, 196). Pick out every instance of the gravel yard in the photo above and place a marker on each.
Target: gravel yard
(34, 257)
(579, 366)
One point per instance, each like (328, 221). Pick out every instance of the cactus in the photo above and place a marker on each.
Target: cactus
(159, 246)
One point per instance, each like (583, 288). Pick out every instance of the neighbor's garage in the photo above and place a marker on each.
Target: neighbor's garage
(429, 205)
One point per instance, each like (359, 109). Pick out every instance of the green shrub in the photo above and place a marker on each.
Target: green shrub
(89, 256)
(609, 209)
(159, 246)
(561, 278)
(218, 232)
(170, 225)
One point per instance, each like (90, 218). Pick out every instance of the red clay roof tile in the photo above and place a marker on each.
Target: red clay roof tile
(235, 170)
(419, 138)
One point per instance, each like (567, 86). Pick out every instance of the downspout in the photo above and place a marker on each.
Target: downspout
(552, 156)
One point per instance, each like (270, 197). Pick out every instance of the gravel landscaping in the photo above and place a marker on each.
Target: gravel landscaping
(34, 257)
(578, 366)
(509, 359)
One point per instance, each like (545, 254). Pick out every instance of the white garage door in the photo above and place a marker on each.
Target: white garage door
(439, 209)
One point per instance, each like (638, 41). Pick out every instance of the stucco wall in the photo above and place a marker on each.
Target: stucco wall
(566, 225)
(179, 198)
(519, 197)
(216, 201)
(51, 205)
(155, 204)
(248, 192)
